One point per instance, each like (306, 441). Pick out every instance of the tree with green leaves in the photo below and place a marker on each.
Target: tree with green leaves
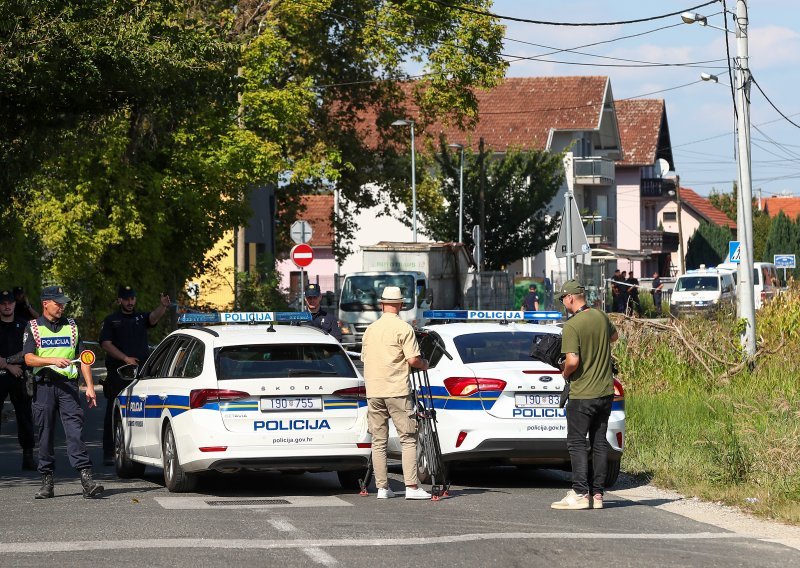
(518, 187)
(784, 238)
(708, 245)
(131, 132)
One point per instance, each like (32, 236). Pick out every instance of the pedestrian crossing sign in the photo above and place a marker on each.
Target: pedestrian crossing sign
(734, 252)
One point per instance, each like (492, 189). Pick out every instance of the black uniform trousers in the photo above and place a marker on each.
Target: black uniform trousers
(14, 388)
(112, 386)
(59, 396)
(588, 417)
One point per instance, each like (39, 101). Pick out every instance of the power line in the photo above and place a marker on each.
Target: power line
(573, 24)
(793, 123)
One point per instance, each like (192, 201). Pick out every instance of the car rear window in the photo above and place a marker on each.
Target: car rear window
(282, 361)
(490, 347)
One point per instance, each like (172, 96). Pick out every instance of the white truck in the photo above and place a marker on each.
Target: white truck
(430, 275)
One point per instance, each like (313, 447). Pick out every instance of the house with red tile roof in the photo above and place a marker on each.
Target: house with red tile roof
(574, 115)
(789, 205)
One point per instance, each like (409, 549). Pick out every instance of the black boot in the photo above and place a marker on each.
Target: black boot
(46, 490)
(90, 487)
(27, 460)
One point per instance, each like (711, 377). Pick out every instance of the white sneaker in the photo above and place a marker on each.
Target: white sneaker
(385, 493)
(572, 501)
(418, 493)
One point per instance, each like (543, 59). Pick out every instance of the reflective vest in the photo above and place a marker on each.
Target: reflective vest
(61, 343)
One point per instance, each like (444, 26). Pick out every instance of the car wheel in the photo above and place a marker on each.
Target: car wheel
(126, 467)
(612, 473)
(349, 479)
(175, 479)
(429, 462)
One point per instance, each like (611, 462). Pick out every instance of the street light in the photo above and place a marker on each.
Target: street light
(744, 203)
(712, 78)
(460, 193)
(410, 123)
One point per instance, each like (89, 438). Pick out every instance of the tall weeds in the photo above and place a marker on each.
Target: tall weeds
(705, 422)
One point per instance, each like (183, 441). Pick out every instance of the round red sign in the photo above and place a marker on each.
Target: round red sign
(302, 255)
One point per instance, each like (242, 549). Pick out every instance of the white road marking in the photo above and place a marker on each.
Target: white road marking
(282, 525)
(7, 548)
(320, 556)
(293, 502)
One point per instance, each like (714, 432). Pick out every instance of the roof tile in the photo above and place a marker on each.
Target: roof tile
(704, 208)
(789, 205)
(639, 123)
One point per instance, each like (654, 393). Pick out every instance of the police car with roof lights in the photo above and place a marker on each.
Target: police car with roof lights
(494, 403)
(242, 397)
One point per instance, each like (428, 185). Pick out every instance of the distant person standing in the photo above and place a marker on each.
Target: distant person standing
(388, 351)
(124, 339)
(321, 318)
(23, 310)
(615, 291)
(586, 343)
(530, 303)
(51, 345)
(12, 377)
(658, 286)
(634, 307)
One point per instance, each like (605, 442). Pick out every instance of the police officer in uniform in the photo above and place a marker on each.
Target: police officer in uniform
(124, 339)
(51, 344)
(12, 377)
(319, 317)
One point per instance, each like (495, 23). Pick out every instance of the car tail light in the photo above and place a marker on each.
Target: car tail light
(619, 392)
(363, 444)
(619, 440)
(465, 386)
(213, 448)
(199, 397)
(460, 439)
(352, 392)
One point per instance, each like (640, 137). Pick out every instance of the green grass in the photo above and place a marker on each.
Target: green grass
(731, 439)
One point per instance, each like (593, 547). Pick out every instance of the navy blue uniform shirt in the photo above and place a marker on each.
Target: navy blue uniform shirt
(326, 322)
(128, 333)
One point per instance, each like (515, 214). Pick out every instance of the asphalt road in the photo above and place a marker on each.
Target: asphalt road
(497, 516)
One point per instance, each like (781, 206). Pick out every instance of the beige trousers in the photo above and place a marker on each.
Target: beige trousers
(401, 411)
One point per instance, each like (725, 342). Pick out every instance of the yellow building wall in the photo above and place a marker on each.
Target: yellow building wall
(217, 284)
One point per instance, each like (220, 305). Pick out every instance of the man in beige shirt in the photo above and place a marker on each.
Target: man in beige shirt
(388, 351)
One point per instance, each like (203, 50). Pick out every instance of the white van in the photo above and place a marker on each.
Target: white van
(765, 282)
(703, 291)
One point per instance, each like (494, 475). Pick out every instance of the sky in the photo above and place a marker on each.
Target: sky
(699, 113)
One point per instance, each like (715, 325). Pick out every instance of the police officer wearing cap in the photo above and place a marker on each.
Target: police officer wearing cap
(123, 337)
(51, 345)
(12, 378)
(319, 317)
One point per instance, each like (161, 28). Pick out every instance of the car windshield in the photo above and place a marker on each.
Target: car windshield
(496, 346)
(362, 292)
(282, 361)
(696, 283)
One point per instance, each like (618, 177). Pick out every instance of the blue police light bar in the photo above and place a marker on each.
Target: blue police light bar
(490, 315)
(243, 317)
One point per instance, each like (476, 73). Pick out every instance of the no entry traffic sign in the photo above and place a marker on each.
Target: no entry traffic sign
(302, 255)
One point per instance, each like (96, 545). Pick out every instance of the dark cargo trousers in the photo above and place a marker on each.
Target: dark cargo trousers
(14, 388)
(59, 397)
(588, 418)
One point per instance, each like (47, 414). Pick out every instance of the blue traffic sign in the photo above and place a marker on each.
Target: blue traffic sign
(734, 252)
(785, 261)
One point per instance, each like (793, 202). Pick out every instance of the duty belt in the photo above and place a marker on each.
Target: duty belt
(46, 376)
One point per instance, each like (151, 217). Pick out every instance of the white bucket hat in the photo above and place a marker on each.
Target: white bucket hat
(392, 295)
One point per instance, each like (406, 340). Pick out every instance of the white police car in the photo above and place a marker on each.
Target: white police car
(494, 403)
(242, 397)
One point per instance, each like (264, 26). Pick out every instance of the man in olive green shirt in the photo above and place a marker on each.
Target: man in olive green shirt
(586, 342)
(388, 351)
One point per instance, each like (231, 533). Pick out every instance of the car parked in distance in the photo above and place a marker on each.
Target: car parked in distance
(703, 291)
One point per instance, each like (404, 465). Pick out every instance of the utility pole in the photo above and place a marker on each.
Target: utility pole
(745, 293)
(482, 221)
(681, 246)
(570, 244)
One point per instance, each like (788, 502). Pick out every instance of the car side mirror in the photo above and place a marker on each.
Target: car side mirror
(127, 372)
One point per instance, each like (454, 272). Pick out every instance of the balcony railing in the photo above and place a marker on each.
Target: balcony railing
(594, 171)
(600, 230)
(656, 187)
(659, 241)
